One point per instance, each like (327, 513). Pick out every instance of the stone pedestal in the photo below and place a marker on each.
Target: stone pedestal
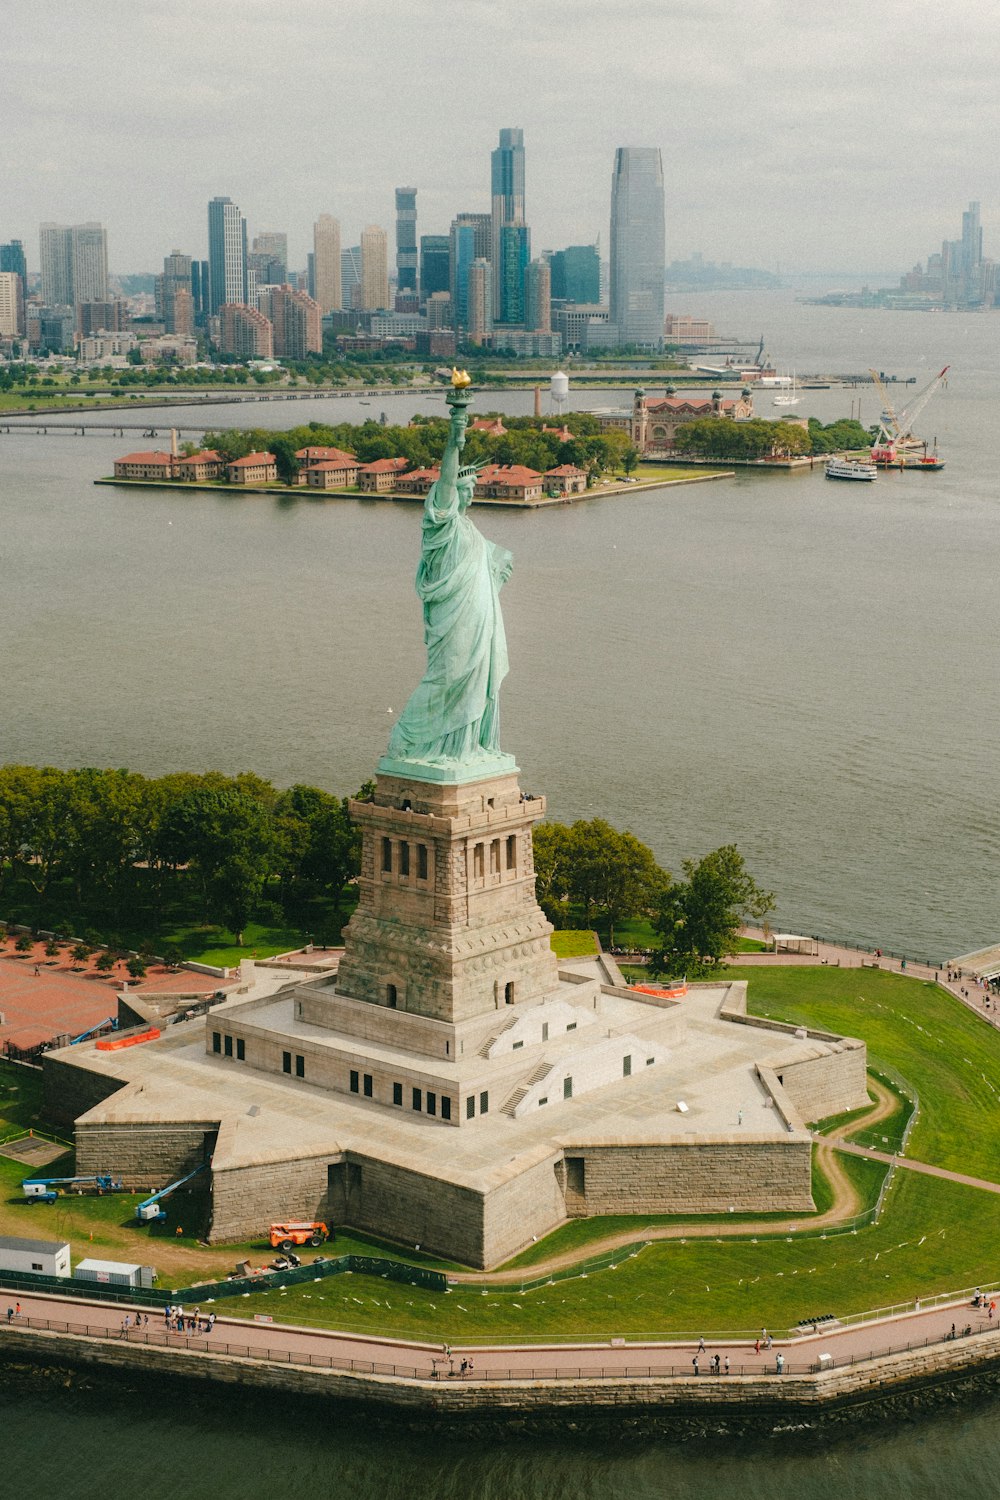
(447, 925)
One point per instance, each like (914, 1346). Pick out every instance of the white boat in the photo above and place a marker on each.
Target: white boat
(790, 397)
(850, 468)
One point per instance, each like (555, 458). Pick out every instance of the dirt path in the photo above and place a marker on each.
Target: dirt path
(846, 1205)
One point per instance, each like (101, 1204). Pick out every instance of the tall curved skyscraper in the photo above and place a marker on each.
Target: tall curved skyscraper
(637, 245)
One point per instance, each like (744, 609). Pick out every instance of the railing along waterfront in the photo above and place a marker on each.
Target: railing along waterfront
(696, 1367)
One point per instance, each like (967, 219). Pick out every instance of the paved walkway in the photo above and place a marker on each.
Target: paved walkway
(288, 1343)
(918, 1166)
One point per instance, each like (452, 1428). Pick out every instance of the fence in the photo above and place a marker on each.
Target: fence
(237, 1286)
(211, 1346)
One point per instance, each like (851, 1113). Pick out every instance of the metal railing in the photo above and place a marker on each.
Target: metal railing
(697, 1367)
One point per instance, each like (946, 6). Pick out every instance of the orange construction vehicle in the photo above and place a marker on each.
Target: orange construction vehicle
(286, 1236)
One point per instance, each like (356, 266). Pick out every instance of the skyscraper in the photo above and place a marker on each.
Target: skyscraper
(11, 305)
(515, 252)
(374, 268)
(327, 277)
(506, 199)
(576, 274)
(637, 245)
(406, 241)
(462, 252)
(55, 252)
(350, 276)
(74, 261)
(273, 244)
(480, 301)
(12, 259)
(434, 263)
(89, 252)
(972, 243)
(538, 297)
(227, 254)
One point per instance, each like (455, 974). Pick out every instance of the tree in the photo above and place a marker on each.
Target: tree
(699, 918)
(137, 967)
(592, 866)
(105, 962)
(81, 952)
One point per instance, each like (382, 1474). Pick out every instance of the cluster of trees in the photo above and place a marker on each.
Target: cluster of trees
(718, 437)
(110, 850)
(107, 852)
(592, 872)
(422, 443)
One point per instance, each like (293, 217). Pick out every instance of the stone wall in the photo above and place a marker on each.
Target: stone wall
(71, 1090)
(144, 1155)
(526, 1208)
(247, 1199)
(752, 1176)
(829, 1085)
(895, 1385)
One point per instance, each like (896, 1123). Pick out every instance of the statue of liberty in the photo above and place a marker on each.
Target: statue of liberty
(449, 730)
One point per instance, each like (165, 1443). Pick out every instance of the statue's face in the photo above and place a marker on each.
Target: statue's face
(466, 490)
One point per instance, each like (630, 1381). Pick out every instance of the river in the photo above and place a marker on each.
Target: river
(809, 670)
(85, 1442)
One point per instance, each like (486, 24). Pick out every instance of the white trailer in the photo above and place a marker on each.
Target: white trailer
(114, 1273)
(37, 1257)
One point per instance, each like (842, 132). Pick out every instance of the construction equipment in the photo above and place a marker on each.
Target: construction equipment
(149, 1210)
(111, 1021)
(895, 433)
(46, 1189)
(286, 1236)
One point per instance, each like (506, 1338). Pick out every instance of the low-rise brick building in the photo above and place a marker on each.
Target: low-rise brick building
(379, 477)
(335, 467)
(566, 479)
(152, 465)
(509, 482)
(200, 467)
(255, 468)
(417, 481)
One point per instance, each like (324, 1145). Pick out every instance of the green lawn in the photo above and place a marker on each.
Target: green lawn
(666, 472)
(573, 943)
(939, 1046)
(934, 1236)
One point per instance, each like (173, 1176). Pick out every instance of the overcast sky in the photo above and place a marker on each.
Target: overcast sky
(842, 135)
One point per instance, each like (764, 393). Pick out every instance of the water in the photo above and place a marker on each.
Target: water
(85, 1444)
(807, 669)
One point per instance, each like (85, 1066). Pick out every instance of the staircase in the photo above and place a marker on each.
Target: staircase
(540, 1071)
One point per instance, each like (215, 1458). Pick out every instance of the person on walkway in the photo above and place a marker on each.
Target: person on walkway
(727, 1364)
(701, 1344)
(779, 1364)
(10, 1315)
(694, 1362)
(756, 1347)
(17, 1309)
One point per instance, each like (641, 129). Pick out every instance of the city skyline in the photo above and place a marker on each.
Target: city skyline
(749, 141)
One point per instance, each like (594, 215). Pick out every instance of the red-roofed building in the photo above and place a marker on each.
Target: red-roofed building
(417, 482)
(567, 479)
(562, 432)
(653, 420)
(378, 477)
(331, 474)
(199, 467)
(308, 456)
(493, 425)
(509, 482)
(255, 468)
(153, 465)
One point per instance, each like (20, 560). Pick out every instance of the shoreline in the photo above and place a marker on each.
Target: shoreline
(546, 503)
(905, 1384)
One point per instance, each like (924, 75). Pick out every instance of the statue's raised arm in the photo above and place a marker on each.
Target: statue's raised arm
(449, 730)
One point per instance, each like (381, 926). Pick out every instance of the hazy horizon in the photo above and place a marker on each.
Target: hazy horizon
(801, 137)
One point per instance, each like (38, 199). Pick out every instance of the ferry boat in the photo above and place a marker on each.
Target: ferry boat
(850, 468)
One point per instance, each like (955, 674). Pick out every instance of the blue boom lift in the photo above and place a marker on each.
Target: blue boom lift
(149, 1210)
